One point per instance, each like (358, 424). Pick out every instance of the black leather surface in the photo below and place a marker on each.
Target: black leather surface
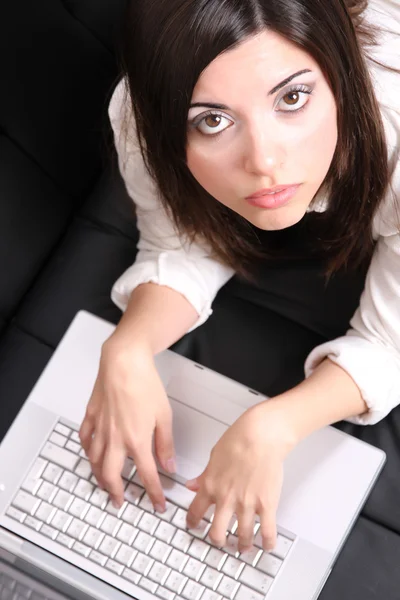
(67, 232)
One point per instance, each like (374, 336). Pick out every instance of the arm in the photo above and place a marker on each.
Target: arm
(155, 318)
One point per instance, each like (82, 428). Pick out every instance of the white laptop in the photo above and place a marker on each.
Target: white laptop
(54, 519)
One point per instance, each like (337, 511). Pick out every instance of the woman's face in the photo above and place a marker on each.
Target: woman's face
(255, 137)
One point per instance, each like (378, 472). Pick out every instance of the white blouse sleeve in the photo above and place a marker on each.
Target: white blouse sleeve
(370, 352)
(163, 257)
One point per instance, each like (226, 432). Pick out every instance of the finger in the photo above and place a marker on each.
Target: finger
(193, 484)
(245, 530)
(164, 442)
(113, 462)
(198, 509)
(268, 530)
(86, 433)
(219, 527)
(148, 473)
(96, 451)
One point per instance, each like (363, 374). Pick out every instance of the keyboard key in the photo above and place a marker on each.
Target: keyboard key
(192, 590)
(32, 523)
(211, 578)
(143, 542)
(146, 504)
(63, 500)
(65, 540)
(109, 546)
(81, 549)
(99, 498)
(15, 514)
(132, 514)
(246, 593)
(63, 429)
(148, 523)
(58, 439)
(98, 558)
(115, 567)
(215, 558)
(125, 555)
(110, 525)
(31, 485)
(164, 593)
(181, 540)
(177, 560)
(94, 516)
(160, 551)
(232, 567)
(45, 512)
(47, 491)
(75, 437)
(231, 545)
(77, 529)
(228, 587)
(73, 446)
(83, 489)
(116, 512)
(282, 547)
(79, 508)
(127, 533)
(68, 481)
(179, 519)
(201, 530)
(193, 569)
(133, 493)
(83, 468)
(148, 585)
(175, 582)
(259, 581)
(60, 456)
(131, 576)
(165, 532)
(93, 537)
(142, 563)
(26, 502)
(210, 595)
(269, 564)
(61, 520)
(170, 510)
(252, 556)
(52, 473)
(49, 532)
(198, 549)
(159, 573)
(128, 469)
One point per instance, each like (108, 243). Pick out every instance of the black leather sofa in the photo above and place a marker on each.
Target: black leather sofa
(67, 231)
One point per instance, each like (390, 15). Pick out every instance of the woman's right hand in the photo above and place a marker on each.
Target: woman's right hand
(127, 407)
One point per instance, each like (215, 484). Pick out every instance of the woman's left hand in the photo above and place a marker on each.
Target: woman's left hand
(244, 477)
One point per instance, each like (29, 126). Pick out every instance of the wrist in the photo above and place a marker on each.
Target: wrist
(127, 349)
(282, 431)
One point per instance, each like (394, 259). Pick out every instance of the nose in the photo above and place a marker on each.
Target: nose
(263, 155)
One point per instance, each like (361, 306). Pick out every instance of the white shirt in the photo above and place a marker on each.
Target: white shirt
(370, 351)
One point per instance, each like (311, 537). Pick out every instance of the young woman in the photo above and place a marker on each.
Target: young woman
(259, 140)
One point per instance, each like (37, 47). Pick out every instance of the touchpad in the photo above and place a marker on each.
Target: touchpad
(195, 434)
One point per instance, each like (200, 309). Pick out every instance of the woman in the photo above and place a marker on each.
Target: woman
(264, 137)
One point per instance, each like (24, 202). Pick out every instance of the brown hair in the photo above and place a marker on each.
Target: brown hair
(166, 46)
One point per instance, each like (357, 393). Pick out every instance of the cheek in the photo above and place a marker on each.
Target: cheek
(207, 171)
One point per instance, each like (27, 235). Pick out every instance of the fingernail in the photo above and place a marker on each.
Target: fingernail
(244, 549)
(159, 508)
(171, 465)
(116, 504)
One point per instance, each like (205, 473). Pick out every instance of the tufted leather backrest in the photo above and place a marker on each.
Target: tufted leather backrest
(57, 72)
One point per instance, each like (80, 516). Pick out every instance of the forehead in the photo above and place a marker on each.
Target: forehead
(266, 58)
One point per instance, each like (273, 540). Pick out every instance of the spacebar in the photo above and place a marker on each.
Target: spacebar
(173, 491)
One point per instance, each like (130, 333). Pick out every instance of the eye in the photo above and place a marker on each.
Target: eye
(295, 99)
(211, 123)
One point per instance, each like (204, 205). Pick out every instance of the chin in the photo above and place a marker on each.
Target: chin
(274, 220)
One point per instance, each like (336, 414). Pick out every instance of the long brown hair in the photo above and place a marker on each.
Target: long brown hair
(166, 46)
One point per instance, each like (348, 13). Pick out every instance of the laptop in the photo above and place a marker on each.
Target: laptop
(60, 528)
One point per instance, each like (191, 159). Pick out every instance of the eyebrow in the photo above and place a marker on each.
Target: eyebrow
(270, 93)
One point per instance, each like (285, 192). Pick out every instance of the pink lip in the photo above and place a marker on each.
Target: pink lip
(261, 199)
(269, 190)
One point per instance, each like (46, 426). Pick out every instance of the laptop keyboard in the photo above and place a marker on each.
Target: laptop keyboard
(59, 499)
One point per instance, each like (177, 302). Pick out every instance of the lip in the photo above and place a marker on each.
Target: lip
(265, 199)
